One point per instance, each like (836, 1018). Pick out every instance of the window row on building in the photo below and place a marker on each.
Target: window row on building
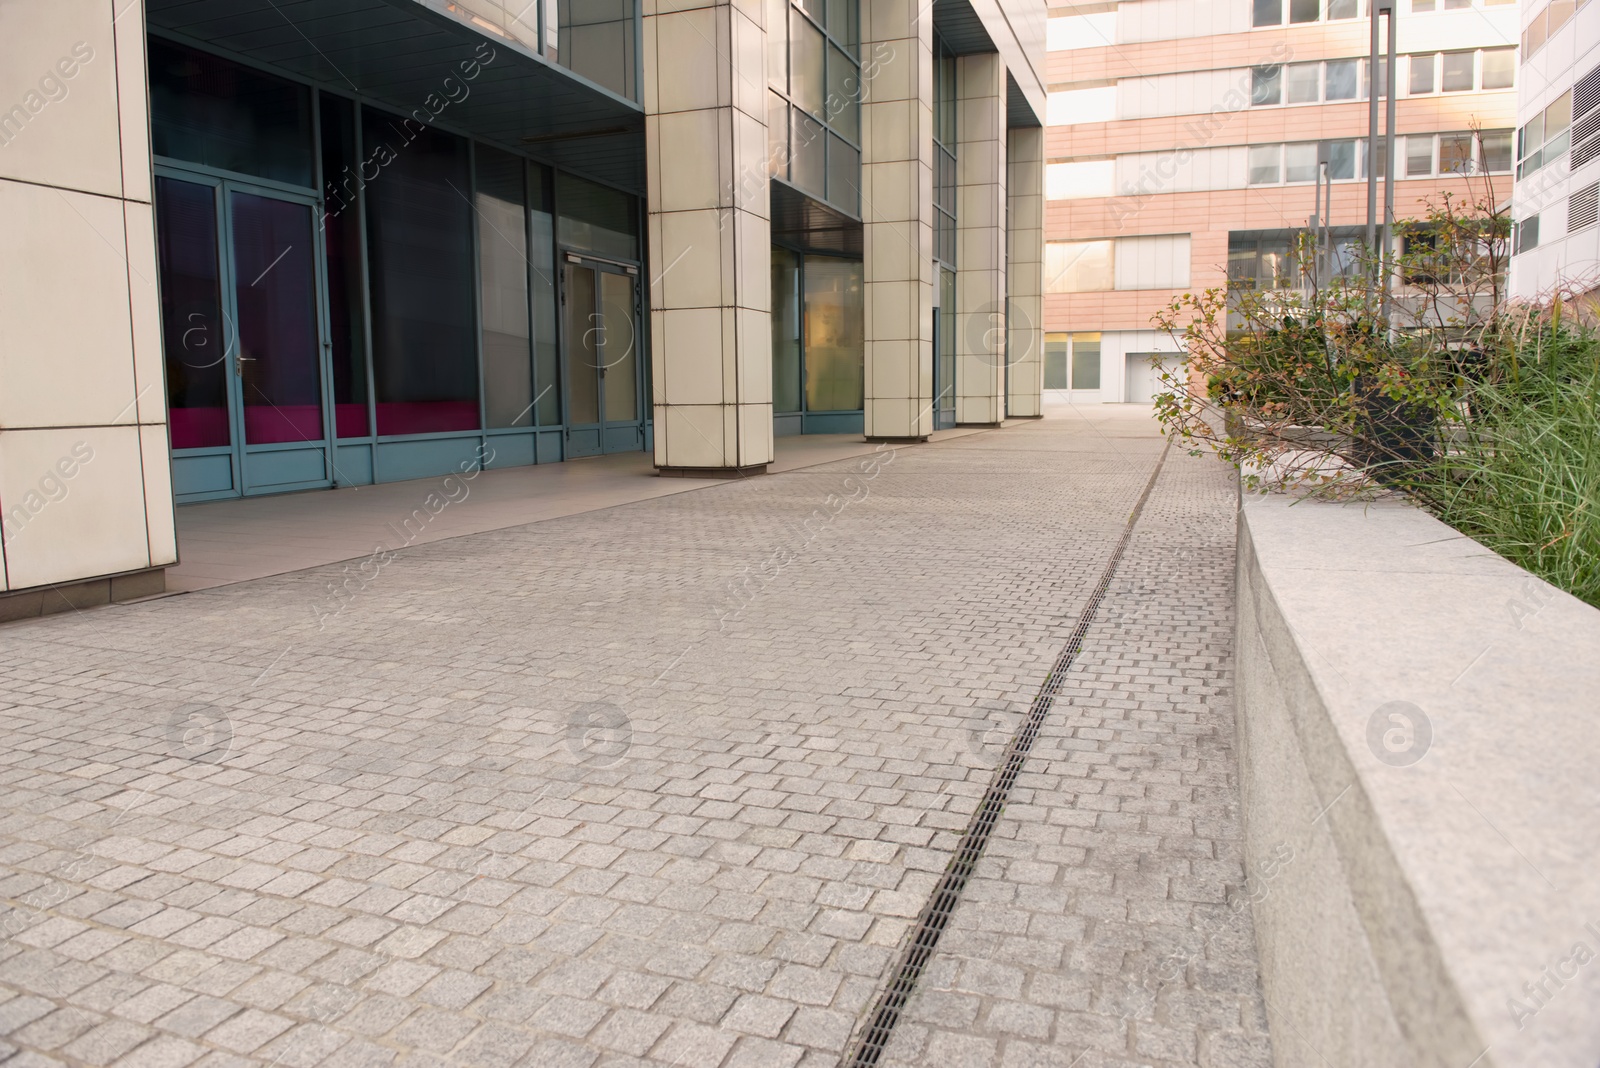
(1544, 25)
(1158, 261)
(1417, 156)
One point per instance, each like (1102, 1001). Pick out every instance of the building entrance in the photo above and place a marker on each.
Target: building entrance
(600, 353)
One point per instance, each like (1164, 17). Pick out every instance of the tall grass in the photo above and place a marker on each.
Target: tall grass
(1521, 471)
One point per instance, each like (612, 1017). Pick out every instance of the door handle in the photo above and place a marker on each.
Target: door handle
(239, 362)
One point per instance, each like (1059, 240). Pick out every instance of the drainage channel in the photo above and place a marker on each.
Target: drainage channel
(873, 1039)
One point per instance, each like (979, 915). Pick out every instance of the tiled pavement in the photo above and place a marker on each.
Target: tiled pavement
(662, 784)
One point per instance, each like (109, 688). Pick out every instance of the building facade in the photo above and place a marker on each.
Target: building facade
(263, 246)
(1183, 153)
(1556, 243)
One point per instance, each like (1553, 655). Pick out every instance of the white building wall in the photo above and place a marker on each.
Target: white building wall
(85, 486)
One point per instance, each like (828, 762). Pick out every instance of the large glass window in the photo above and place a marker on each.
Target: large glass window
(834, 334)
(542, 262)
(785, 331)
(193, 336)
(814, 103)
(208, 110)
(944, 154)
(1077, 266)
(599, 40)
(1055, 361)
(596, 218)
(1085, 361)
(419, 251)
(341, 229)
(503, 288)
(1266, 85)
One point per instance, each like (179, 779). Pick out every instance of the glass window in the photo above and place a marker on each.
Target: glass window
(1499, 68)
(1085, 361)
(1457, 5)
(341, 228)
(1527, 234)
(843, 19)
(1458, 72)
(1558, 116)
(844, 174)
(777, 136)
(1533, 37)
(1496, 146)
(834, 334)
(542, 262)
(1558, 13)
(1266, 85)
(1055, 361)
(808, 164)
(1304, 10)
(1300, 162)
(1342, 159)
(806, 86)
(419, 259)
(785, 331)
(1267, 13)
(1419, 157)
(1304, 83)
(598, 40)
(1455, 153)
(1421, 69)
(778, 45)
(945, 99)
(1265, 165)
(1342, 9)
(1419, 6)
(1077, 266)
(844, 94)
(596, 218)
(208, 110)
(503, 317)
(193, 337)
(1342, 79)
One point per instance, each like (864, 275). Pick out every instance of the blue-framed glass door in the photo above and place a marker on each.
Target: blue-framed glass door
(245, 338)
(601, 354)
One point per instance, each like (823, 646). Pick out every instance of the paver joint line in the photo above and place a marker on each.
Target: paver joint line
(879, 1027)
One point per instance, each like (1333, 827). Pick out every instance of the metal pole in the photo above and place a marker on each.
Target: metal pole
(1388, 149)
(1372, 147)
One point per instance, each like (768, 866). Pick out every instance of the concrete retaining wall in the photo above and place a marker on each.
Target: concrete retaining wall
(1419, 736)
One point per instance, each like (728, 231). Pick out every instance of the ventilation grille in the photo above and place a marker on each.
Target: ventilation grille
(1583, 207)
(874, 1037)
(1586, 127)
(1586, 94)
(1585, 152)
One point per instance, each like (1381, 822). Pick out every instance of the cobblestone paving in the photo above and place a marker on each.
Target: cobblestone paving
(664, 784)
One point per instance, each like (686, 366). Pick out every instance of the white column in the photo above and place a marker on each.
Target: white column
(1025, 271)
(710, 237)
(980, 239)
(85, 489)
(897, 216)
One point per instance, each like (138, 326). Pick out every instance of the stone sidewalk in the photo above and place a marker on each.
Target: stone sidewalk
(662, 784)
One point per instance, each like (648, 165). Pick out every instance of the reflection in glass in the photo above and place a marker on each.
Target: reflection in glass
(599, 40)
(274, 292)
(834, 334)
(596, 218)
(785, 331)
(341, 228)
(619, 353)
(419, 255)
(1086, 361)
(844, 95)
(209, 110)
(193, 335)
(582, 346)
(777, 136)
(805, 63)
(503, 289)
(1055, 361)
(778, 45)
(808, 154)
(844, 173)
(542, 260)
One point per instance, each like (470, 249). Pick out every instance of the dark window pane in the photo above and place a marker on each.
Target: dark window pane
(275, 297)
(341, 227)
(1304, 10)
(1266, 85)
(1341, 83)
(193, 335)
(844, 175)
(1342, 159)
(208, 110)
(419, 255)
(843, 22)
(503, 288)
(599, 41)
(806, 85)
(785, 331)
(596, 218)
(844, 94)
(1267, 13)
(808, 154)
(542, 261)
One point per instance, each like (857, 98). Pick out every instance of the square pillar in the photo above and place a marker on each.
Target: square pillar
(710, 243)
(897, 217)
(980, 239)
(1025, 271)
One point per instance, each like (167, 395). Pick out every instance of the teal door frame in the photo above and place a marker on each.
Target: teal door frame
(602, 435)
(278, 467)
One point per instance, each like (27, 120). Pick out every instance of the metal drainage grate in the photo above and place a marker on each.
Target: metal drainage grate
(874, 1037)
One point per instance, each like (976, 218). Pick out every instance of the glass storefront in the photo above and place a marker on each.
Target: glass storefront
(818, 342)
(944, 234)
(400, 324)
(814, 99)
